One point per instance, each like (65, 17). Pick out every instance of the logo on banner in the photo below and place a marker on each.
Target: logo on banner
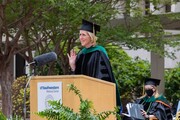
(47, 99)
(48, 91)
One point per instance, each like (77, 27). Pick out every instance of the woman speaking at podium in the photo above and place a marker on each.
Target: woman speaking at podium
(92, 60)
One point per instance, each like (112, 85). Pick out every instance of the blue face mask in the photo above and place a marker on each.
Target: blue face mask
(149, 92)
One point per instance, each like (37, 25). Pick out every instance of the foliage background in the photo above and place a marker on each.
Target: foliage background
(172, 79)
(18, 97)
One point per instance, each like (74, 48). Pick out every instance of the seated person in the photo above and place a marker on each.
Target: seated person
(155, 105)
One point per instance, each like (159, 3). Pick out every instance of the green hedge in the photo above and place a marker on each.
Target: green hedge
(18, 97)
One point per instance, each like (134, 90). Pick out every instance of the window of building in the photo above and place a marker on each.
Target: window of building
(167, 8)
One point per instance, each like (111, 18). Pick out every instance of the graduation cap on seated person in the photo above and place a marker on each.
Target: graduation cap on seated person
(152, 81)
(90, 27)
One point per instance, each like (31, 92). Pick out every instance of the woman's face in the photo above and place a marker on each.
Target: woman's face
(85, 39)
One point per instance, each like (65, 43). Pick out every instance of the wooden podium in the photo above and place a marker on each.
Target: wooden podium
(101, 93)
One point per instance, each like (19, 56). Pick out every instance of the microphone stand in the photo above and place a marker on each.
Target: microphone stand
(27, 84)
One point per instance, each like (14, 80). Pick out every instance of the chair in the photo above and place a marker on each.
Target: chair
(178, 115)
(154, 118)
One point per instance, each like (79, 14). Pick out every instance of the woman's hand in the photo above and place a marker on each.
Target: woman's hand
(72, 59)
(144, 113)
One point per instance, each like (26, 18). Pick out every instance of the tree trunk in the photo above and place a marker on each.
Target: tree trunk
(6, 84)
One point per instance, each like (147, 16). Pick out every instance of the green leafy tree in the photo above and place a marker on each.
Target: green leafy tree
(172, 80)
(15, 18)
(139, 30)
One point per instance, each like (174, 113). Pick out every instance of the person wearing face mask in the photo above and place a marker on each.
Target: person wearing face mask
(155, 105)
(93, 59)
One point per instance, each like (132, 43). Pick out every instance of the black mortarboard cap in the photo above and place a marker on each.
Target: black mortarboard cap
(89, 26)
(152, 81)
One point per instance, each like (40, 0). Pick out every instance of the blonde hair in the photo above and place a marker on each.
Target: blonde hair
(93, 38)
(156, 92)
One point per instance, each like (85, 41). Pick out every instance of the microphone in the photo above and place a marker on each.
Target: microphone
(45, 58)
(39, 61)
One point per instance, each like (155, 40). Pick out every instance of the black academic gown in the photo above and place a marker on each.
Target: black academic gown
(96, 64)
(159, 107)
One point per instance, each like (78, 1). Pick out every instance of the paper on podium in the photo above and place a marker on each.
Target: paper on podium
(134, 111)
